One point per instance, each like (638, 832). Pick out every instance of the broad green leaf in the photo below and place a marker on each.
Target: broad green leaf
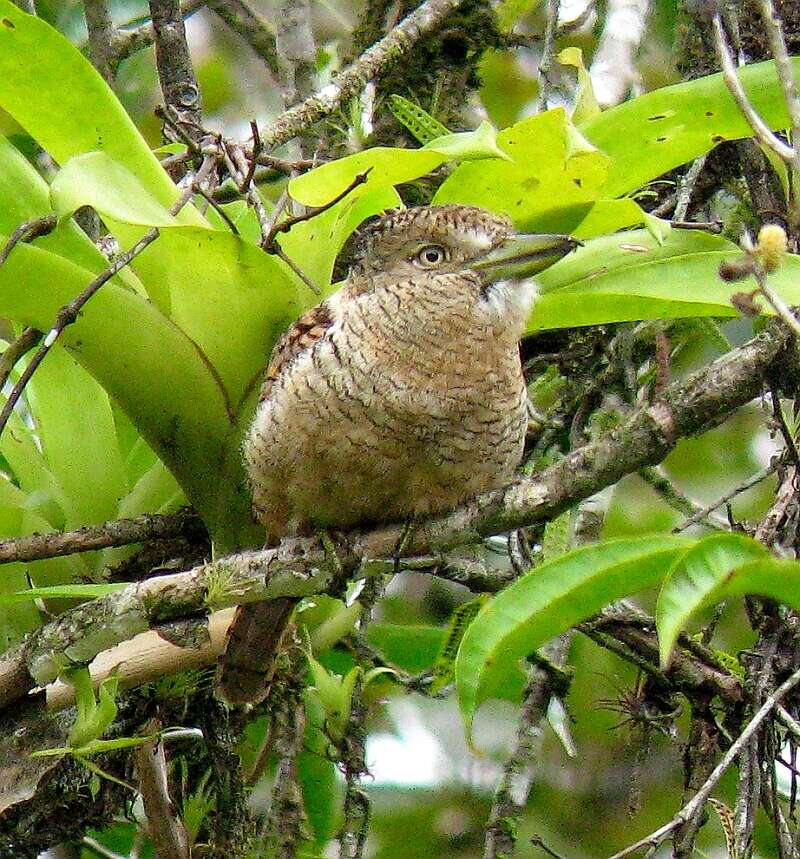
(317, 774)
(629, 276)
(24, 195)
(767, 577)
(412, 647)
(544, 189)
(656, 132)
(388, 167)
(76, 429)
(66, 106)
(475, 145)
(609, 216)
(228, 296)
(314, 244)
(30, 470)
(95, 179)
(158, 379)
(510, 11)
(72, 592)
(695, 575)
(549, 600)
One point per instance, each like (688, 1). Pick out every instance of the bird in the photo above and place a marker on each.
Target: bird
(399, 396)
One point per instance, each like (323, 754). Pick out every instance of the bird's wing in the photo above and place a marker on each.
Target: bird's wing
(306, 331)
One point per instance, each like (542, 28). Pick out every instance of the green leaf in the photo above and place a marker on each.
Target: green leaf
(549, 600)
(695, 576)
(159, 379)
(629, 276)
(95, 179)
(419, 122)
(77, 592)
(387, 167)
(66, 106)
(656, 132)
(412, 647)
(475, 145)
(24, 195)
(76, 429)
(586, 105)
(545, 189)
(444, 666)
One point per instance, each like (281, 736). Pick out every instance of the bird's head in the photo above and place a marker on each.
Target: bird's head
(469, 255)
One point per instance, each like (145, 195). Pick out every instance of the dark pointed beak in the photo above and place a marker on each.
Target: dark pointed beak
(523, 255)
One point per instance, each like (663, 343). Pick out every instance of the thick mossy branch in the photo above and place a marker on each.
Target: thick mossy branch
(302, 566)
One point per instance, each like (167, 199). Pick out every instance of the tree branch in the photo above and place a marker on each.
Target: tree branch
(371, 64)
(302, 566)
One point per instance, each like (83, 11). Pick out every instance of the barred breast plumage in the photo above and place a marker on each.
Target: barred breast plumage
(399, 396)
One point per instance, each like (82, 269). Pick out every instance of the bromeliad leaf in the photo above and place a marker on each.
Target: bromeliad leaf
(548, 600)
(694, 581)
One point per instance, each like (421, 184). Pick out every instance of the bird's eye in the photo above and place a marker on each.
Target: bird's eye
(430, 256)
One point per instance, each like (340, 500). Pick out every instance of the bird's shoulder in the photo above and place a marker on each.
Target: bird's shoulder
(309, 329)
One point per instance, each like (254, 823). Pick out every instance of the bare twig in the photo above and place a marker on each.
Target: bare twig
(774, 300)
(101, 38)
(724, 499)
(166, 828)
(699, 799)
(175, 72)
(120, 532)
(760, 128)
(28, 231)
(546, 59)
(371, 64)
(29, 338)
(514, 785)
(677, 499)
(686, 188)
(783, 66)
(311, 212)
(253, 29)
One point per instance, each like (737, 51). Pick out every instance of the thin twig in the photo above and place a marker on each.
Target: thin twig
(175, 72)
(121, 532)
(731, 78)
(29, 338)
(27, 232)
(678, 499)
(774, 300)
(686, 188)
(724, 499)
(785, 71)
(699, 799)
(249, 26)
(166, 827)
(546, 60)
(370, 65)
(311, 212)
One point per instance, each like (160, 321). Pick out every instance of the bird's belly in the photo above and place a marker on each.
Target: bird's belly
(334, 459)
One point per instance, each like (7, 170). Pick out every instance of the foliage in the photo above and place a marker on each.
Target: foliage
(164, 362)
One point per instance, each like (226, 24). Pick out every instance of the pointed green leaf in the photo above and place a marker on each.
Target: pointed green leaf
(470, 145)
(693, 580)
(629, 276)
(657, 132)
(545, 189)
(549, 600)
(419, 122)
